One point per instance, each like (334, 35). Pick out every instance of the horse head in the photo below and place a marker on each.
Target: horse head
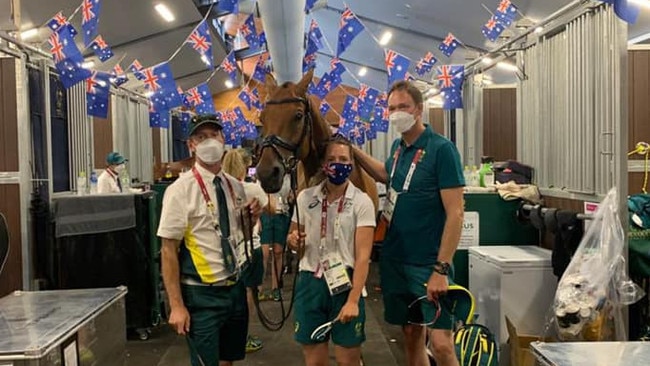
(288, 122)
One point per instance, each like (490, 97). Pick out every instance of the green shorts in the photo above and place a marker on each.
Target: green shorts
(275, 229)
(401, 284)
(253, 275)
(218, 322)
(314, 306)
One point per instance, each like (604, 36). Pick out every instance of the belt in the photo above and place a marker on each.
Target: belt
(227, 282)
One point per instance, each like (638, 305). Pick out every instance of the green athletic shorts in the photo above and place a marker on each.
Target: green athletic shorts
(275, 229)
(218, 322)
(314, 306)
(401, 284)
(253, 275)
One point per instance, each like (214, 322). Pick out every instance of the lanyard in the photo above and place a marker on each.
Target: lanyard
(409, 175)
(323, 216)
(206, 195)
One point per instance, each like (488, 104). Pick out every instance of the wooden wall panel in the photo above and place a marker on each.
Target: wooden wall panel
(103, 138)
(155, 137)
(12, 274)
(635, 182)
(8, 116)
(638, 100)
(437, 120)
(500, 123)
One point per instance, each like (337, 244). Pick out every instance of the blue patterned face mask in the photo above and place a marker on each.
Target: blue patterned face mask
(337, 173)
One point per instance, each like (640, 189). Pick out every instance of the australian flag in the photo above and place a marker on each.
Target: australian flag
(67, 58)
(310, 5)
(349, 27)
(200, 98)
(324, 108)
(371, 133)
(358, 133)
(492, 29)
(230, 66)
(326, 84)
(97, 93)
(260, 71)
(118, 77)
(315, 34)
(59, 21)
(396, 66)
(201, 42)
(451, 76)
(380, 119)
(624, 10)
(425, 64)
(90, 17)
(136, 69)
(350, 107)
(160, 81)
(448, 45)
(255, 99)
(262, 37)
(244, 96)
(185, 102)
(506, 13)
(228, 6)
(249, 31)
(101, 49)
(367, 98)
(452, 98)
(308, 62)
(336, 67)
(159, 119)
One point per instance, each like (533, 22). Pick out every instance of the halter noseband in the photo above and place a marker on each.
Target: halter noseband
(275, 141)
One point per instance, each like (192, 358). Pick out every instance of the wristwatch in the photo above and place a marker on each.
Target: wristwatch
(442, 268)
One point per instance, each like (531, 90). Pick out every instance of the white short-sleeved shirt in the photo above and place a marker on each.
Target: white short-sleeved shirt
(358, 211)
(107, 182)
(185, 215)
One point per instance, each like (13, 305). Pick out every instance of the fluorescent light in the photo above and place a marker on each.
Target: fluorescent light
(539, 30)
(507, 66)
(639, 39)
(88, 64)
(363, 71)
(30, 33)
(487, 60)
(164, 12)
(385, 38)
(229, 84)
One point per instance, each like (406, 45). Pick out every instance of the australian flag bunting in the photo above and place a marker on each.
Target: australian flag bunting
(90, 18)
(159, 119)
(452, 99)
(367, 99)
(506, 12)
(448, 45)
(260, 71)
(244, 96)
(200, 98)
(230, 66)
(425, 64)
(249, 31)
(310, 5)
(97, 94)
(624, 10)
(315, 34)
(67, 58)
(492, 29)
(201, 42)
(371, 133)
(396, 66)
(136, 68)
(308, 62)
(184, 101)
(380, 119)
(228, 6)
(101, 49)
(451, 76)
(324, 108)
(349, 27)
(118, 77)
(59, 21)
(159, 80)
(336, 67)
(254, 96)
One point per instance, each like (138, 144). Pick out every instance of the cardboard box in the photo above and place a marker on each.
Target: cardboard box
(519, 344)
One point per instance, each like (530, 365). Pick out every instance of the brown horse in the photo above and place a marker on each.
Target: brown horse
(293, 133)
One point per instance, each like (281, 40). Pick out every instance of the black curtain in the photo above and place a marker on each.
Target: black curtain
(60, 150)
(179, 136)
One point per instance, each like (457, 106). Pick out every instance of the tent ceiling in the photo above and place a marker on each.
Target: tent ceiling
(135, 30)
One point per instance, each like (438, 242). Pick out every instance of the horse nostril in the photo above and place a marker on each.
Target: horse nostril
(276, 171)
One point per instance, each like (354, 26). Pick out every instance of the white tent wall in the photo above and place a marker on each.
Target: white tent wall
(572, 107)
(469, 124)
(80, 134)
(132, 135)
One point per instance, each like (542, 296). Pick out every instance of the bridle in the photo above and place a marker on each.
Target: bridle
(276, 142)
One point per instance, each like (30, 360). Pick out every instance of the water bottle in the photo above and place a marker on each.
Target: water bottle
(81, 184)
(93, 182)
(126, 181)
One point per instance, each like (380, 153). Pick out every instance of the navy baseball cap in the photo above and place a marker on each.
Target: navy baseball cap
(201, 120)
(114, 158)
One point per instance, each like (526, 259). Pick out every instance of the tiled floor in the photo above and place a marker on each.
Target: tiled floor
(382, 347)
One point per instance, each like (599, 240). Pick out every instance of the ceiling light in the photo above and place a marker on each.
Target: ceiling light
(363, 71)
(507, 66)
(229, 84)
(487, 82)
(30, 33)
(539, 30)
(88, 64)
(164, 12)
(385, 38)
(486, 60)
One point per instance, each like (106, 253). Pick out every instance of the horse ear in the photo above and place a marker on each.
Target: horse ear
(270, 84)
(303, 84)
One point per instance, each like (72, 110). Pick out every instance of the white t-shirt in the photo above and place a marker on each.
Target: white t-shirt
(107, 182)
(358, 211)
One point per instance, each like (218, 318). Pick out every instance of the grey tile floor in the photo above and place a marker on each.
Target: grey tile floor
(382, 347)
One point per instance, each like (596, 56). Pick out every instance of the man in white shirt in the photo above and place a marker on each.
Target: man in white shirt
(202, 233)
(336, 235)
(109, 180)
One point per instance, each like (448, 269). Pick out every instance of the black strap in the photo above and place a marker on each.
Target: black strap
(224, 226)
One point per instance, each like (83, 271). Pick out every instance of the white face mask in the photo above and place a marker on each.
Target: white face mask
(210, 151)
(401, 121)
(120, 168)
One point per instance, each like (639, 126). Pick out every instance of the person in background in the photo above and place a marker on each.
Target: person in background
(336, 239)
(109, 180)
(275, 226)
(201, 237)
(235, 164)
(424, 213)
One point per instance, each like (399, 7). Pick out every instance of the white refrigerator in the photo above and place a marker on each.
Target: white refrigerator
(513, 281)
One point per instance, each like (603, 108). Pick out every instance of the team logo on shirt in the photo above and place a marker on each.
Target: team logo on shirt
(314, 204)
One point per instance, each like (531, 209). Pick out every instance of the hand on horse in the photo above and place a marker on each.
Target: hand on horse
(255, 209)
(296, 241)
